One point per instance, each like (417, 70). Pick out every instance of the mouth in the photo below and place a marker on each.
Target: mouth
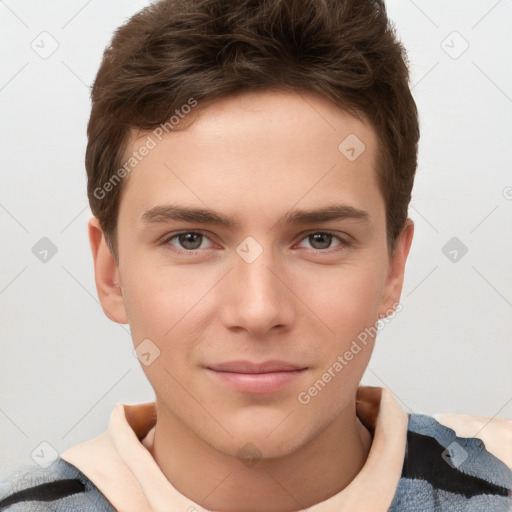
(259, 378)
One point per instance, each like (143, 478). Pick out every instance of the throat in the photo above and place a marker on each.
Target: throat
(244, 480)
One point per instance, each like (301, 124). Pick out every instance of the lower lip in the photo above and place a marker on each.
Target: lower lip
(258, 382)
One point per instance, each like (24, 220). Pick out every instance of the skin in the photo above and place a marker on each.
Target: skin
(254, 157)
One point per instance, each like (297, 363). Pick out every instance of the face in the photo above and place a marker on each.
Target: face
(252, 256)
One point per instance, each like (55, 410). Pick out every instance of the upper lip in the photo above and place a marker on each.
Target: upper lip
(250, 367)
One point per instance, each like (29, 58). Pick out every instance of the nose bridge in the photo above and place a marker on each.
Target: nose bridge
(258, 299)
(255, 277)
(258, 280)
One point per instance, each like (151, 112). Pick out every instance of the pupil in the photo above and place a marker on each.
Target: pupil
(188, 238)
(326, 242)
(192, 238)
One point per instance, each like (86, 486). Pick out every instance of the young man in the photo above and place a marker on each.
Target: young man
(250, 167)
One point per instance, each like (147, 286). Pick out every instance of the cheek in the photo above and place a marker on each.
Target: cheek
(345, 300)
(160, 306)
(159, 299)
(349, 306)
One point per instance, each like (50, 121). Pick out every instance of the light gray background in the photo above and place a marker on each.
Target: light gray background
(64, 365)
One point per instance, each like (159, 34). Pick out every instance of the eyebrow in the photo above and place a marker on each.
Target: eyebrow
(168, 213)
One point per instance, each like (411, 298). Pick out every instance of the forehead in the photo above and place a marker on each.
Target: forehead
(258, 151)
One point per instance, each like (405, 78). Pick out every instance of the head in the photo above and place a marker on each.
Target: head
(290, 130)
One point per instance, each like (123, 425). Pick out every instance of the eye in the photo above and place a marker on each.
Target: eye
(190, 241)
(321, 240)
(187, 240)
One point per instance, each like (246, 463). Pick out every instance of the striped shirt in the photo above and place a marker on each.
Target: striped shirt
(437, 471)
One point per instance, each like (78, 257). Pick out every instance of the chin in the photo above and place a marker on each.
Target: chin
(266, 436)
(251, 448)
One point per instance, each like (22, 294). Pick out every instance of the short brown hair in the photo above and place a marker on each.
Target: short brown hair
(175, 50)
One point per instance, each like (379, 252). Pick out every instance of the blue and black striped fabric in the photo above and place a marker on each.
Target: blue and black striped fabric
(446, 473)
(59, 488)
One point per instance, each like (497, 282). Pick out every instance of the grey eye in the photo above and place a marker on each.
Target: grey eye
(320, 240)
(190, 241)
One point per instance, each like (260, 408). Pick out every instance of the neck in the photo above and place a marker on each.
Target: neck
(321, 468)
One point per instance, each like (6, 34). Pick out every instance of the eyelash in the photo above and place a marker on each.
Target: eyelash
(343, 243)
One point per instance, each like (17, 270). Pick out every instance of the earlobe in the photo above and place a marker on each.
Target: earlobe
(106, 275)
(395, 279)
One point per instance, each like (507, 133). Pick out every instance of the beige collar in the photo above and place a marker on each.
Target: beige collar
(119, 463)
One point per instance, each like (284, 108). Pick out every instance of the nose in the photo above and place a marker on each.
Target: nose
(258, 297)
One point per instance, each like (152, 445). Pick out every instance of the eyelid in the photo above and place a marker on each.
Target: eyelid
(344, 242)
(170, 236)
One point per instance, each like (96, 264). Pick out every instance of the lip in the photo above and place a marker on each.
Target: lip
(259, 378)
(250, 367)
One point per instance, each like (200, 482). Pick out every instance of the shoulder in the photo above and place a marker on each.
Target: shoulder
(58, 488)
(495, 433)
(446, 471)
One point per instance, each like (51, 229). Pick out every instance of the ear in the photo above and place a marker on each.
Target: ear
(107, 275)
(395, 279)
